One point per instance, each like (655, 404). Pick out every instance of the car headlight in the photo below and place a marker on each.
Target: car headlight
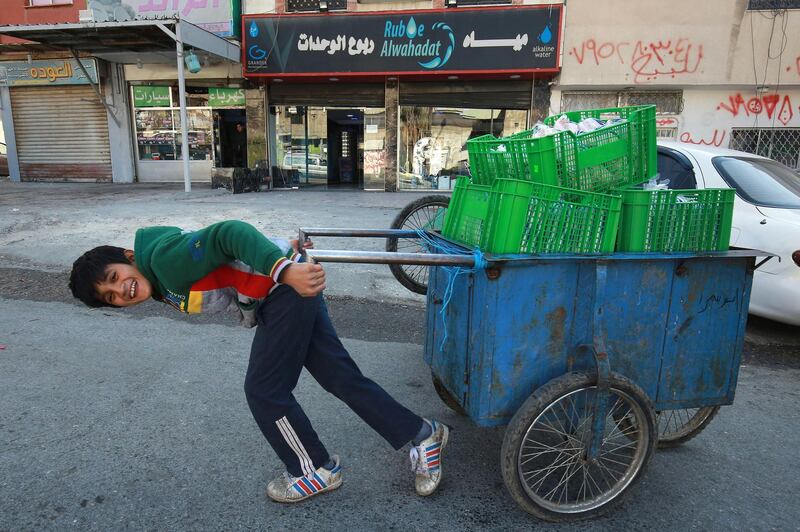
(796, 257)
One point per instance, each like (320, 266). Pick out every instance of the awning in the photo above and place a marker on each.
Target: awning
(130, 42)
(123, 42)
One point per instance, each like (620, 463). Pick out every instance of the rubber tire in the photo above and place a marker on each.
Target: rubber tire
(399, 223)
(533, 407)
(709, 412)
(446, 397)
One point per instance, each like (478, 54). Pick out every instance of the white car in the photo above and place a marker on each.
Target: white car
(766, 215)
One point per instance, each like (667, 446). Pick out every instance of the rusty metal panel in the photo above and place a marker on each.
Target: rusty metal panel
(448, 331)
(635, 312)
(673, 324)
(708, 299)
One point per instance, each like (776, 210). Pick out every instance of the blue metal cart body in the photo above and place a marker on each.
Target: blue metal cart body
(579, 355)
(672, 323)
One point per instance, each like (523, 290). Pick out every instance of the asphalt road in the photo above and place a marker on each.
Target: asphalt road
(116, 420)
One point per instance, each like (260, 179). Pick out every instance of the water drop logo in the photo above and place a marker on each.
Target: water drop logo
(411, 28)
(438, 62)
(253, 29)
(546, 36)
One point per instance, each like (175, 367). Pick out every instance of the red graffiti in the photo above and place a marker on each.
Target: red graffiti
(649, 61)
(716, 140)
(666, 122)
(756, 105)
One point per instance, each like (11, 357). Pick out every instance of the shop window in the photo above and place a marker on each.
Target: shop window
(212, 114)
(772, 5)
(302, 146)
(433, 142)
(316, 5)
(158, 134)
(780, 144)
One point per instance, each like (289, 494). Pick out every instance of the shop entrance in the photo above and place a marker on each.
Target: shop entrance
(329, 147)
(230, 138)
(345, 137)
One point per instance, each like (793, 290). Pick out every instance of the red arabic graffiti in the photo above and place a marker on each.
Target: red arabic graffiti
(768, 103)
(649, 61)
(666, 122)
(716, 139)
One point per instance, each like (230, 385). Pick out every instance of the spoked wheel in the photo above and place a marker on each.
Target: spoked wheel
(446, 397)
(544, 455)
(426, 213)
(678, 426)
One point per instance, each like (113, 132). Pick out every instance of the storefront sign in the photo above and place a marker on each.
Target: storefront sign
(223, 97)
(508, 39)
(216, 16)
(147, 96)
(47, 72)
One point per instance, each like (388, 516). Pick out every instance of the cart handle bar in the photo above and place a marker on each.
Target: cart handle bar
(358, 233)
(385, 257)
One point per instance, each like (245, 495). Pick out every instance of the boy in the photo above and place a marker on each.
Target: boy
(232, 265)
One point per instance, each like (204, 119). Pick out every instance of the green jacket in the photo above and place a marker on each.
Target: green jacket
(225, 265)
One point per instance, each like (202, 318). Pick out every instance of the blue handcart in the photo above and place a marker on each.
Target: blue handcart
(592, 361)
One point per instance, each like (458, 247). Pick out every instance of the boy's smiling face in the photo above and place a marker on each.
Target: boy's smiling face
(123, 284)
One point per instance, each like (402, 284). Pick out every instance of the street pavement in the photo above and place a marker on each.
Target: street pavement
(136, 420)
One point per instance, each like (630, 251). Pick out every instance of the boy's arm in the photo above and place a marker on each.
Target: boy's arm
(205, 250)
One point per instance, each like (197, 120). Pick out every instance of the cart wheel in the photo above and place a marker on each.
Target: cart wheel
(426, 212)
(544, 448)
(679, 426)
(446, 397)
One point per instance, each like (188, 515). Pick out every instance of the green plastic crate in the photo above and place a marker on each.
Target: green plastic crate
(617, 155)
(514, 157)
(465, 218)
(598, 171)
(527, 217)
(676, 220)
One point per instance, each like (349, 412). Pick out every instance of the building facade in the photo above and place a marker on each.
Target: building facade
(386, 100)
(722, 73)
(383, 95)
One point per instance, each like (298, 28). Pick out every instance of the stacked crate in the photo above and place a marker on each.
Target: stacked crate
(571, 192)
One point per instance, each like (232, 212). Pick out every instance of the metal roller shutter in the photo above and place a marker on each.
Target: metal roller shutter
(331, 94)
(61, 133)
(469, 94)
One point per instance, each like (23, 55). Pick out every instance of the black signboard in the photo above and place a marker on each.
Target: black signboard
(522, 39)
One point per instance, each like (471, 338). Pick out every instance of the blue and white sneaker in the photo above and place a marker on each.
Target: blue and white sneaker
(426, 459)
(287, 488)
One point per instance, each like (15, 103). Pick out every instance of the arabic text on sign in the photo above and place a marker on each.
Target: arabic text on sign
(340, 43)
(52, 73)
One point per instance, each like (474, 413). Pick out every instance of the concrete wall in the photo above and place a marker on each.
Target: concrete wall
(710, 114)
(736, 68)
(120, 135)
(680, 42)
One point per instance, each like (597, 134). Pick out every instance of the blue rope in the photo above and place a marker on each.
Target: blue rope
(453, 272)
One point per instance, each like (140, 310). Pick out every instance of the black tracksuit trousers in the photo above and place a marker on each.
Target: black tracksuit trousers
(295, 332)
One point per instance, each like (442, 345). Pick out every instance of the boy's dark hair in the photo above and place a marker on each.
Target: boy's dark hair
(90, 269)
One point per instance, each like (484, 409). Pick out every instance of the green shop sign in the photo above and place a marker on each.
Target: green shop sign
(147, 96)
(223, 97)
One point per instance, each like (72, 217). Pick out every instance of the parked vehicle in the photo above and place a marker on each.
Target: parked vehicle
(3, 159)
(766, 215)
(317, 166)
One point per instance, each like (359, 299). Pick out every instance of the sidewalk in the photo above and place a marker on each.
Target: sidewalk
(47, 225)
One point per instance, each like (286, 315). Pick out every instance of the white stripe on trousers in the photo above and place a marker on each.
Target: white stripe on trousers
(296, 445)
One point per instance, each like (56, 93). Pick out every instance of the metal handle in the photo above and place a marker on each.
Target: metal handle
(358, 233)
(377, 257)
(385, 257)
